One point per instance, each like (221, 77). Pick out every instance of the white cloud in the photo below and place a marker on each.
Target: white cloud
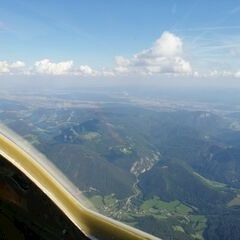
(4, 67)
(85, 70)
(165, 56)
(122, 61)
(167, 45)
(11, 68)
(45, 66)
(237, 74)
(218, 74)
(108, 73)
(222, 73)
(18, 65)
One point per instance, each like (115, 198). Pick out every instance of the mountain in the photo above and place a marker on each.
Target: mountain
(170, 169)
(171, 180)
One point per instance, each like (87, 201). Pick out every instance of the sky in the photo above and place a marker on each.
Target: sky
(128, 39)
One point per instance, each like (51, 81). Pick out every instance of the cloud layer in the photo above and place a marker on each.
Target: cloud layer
(165, 56)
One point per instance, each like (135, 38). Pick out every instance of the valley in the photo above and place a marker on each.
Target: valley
(168, 167)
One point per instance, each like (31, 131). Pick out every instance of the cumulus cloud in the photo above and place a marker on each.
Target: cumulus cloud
(121, 61)
(165, 56)
(85, 70)
(166, 46)
(14, 67)
(18, 65)
(45, 66)
(4, 67)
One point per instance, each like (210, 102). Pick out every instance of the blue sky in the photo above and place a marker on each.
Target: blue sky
(91, 33)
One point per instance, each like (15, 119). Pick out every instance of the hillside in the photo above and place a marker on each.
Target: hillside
(171, 171)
